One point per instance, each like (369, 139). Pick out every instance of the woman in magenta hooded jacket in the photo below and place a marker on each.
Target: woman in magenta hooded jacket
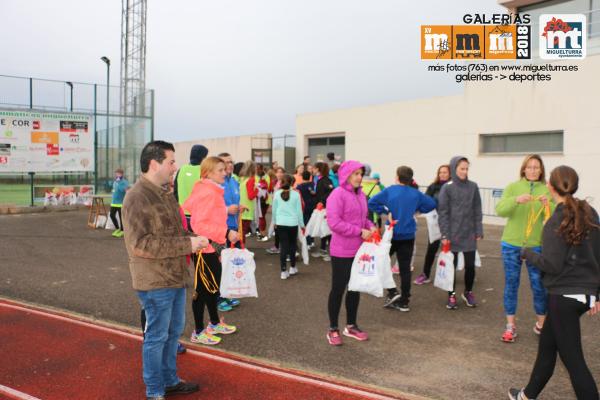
(347, 214)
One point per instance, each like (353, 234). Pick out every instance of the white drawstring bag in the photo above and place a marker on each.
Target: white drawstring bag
(444, 270)
(433, 227)
(238, 279)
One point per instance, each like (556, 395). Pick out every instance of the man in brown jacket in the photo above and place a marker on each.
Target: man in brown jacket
(157, 246)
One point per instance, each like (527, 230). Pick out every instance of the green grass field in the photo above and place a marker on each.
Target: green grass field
(15, 194)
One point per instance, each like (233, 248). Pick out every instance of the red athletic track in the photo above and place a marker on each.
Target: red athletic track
(52, 356)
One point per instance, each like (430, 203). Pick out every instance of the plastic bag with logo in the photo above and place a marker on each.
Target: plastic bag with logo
(238, 279)
(385, 269)
(364, 276)
(444, 270)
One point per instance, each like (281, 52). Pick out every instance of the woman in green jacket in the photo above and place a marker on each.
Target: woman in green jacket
(526, 204)
(248, 194)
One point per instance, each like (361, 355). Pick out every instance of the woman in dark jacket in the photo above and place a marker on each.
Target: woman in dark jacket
(323, 189)
(570, 263)
(443, 176)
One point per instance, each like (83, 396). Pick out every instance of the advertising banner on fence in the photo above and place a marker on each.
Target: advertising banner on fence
(46, 142)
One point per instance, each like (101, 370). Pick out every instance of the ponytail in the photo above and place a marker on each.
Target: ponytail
(286, 184)
(578, 216)
(578, 220)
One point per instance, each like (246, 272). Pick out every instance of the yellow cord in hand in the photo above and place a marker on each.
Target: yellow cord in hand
(210, 284)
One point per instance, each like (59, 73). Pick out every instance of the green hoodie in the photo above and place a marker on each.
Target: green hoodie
(517, 214)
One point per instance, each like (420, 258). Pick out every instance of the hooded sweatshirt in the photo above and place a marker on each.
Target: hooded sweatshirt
(459, 209)
(347, 214)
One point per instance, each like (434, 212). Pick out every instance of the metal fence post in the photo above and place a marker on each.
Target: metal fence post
(95, 139)
(31, 174)
(30, 93)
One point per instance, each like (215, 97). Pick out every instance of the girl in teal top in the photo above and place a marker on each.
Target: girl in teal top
(527, 205)
(287, 217)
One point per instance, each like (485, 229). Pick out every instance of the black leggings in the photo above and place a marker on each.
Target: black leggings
(113, 216)
(561, 335)
(204, 297)
(340, 276)
(432, 249)
(325, 241)
(469, 270)
(404, 251)
(288, 235)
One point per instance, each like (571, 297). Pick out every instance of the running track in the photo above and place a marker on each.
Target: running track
(49, 355)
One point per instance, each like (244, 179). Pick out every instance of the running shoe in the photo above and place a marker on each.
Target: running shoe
(516, 394)
(510, 334)
(233, 302)
(334, 338)
(273, 250)
(205, 337)
(469, 299)
(316, 253)
(181, 348)
(355, 332)
(120, 234)
(390, 299)
(452, 305)
(396, 269)
(116, 232)
(422, 279)
(293, 271)
(284, 275)
(537, 329)
(326, 258)
(262, 238)
(224, 306)
(401, 305)
(221, 328)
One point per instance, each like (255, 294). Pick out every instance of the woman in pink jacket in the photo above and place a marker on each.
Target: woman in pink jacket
(347, 214)
(209, 218)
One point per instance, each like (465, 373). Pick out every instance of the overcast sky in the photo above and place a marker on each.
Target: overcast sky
(224, 68)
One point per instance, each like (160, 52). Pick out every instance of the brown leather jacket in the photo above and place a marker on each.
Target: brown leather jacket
(155, 239)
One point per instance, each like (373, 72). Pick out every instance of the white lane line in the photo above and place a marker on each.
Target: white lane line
(253, 367)
(15, 394)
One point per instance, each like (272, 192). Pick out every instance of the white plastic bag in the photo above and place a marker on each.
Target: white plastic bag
(237, 278)
(100, 221)
(109, 224)
(271, 231)
(460, 263)
(433, 227)
(303, 247)
(364, 276)
(317, 224)
(444, 271)
(386, 276)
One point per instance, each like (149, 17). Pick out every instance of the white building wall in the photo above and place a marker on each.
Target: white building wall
(426, 133)
(240, 147)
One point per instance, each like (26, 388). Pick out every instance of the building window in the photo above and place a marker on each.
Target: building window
(524, 143)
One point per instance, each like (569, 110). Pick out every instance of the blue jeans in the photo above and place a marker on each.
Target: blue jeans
(165, 320)
(511, 255)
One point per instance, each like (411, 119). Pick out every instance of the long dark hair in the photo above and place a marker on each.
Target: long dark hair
(286, 184)
(437, 175)
(578, 216)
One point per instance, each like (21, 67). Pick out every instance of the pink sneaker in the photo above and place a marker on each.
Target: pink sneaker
(354, 332)
(334, 338)
(422, 279)
(396, 269)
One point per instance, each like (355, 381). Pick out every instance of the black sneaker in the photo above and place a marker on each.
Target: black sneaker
(389, 301)
(516, 394)
(401, 305)
(182, 388)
